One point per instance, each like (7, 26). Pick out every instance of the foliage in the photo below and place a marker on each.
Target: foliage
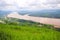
(27, 31)
(18, 29)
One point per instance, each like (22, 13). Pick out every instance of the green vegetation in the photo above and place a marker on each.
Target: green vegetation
(28, 30)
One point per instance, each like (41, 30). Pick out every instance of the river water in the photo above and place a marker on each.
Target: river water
(52, 21)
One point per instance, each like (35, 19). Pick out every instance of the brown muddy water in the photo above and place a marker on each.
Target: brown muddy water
(52, 21)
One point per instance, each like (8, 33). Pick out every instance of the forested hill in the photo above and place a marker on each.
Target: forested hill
(50, 13)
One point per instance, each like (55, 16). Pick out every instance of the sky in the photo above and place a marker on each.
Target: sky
(29, 4)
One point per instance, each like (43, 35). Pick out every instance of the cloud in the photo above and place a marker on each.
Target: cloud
(29, 4)
(46, 4)
(53, 1)
(5, 5)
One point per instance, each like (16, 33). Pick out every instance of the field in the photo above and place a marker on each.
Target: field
(28, 31)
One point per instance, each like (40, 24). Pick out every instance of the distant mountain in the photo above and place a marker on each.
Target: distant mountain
(47, 13)
(4, 13)
(51, 13)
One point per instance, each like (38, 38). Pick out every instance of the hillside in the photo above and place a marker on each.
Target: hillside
(27, 30)
(49, 13)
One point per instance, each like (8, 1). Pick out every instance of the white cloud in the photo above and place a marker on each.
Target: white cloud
(29, 4)
(9, 8)
(58, 5)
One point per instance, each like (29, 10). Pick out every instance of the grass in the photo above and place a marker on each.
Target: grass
(28, 31)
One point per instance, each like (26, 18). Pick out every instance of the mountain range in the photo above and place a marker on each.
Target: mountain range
(50, 13)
